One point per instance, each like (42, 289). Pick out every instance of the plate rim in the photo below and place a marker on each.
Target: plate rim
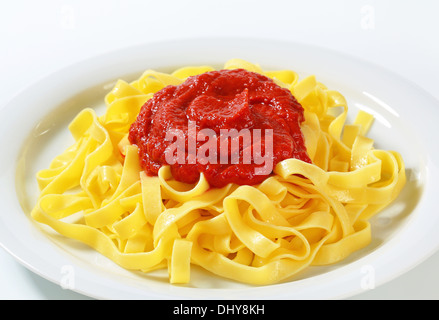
(53, 76)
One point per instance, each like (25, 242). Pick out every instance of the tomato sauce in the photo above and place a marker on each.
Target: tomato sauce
(216, 101)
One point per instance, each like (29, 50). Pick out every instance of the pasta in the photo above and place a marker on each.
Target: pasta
(303, 214)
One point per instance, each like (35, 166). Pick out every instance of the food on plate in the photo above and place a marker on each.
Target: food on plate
(253, 175)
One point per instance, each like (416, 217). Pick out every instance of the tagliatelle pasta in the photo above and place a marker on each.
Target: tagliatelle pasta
(303, 214)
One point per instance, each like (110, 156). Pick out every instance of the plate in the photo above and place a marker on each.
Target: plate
(34, 129)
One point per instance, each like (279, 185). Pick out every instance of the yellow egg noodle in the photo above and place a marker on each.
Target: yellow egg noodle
(302, 215)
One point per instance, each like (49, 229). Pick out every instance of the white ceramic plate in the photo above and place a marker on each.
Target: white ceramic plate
(33, 129)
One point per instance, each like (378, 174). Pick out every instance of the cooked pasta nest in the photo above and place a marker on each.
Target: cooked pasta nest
(303, 214)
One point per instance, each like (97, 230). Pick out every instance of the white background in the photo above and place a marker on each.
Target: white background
(39, 37)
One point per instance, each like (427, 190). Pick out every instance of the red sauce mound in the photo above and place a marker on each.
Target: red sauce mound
(213, 102)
